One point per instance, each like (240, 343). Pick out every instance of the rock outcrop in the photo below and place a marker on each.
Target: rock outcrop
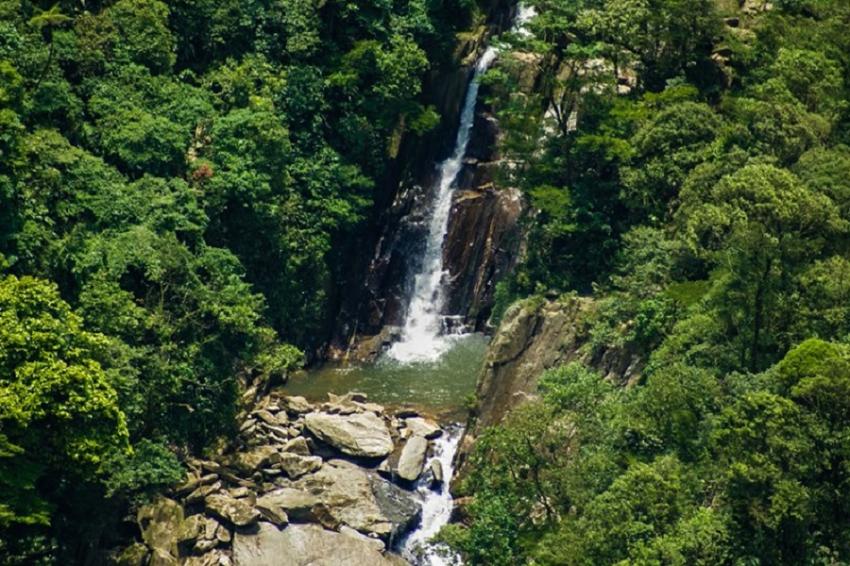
(536, 335)
(299, 486)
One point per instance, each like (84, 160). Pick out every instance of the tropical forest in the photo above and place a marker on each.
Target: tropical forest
(424, 282)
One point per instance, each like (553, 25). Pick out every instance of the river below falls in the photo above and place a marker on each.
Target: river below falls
(441, 389)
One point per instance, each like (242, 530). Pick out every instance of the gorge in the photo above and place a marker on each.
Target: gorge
(424, 282)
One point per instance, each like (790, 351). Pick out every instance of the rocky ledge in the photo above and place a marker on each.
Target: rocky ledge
(305, 483)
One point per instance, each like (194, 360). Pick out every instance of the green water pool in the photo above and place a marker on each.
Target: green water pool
(441, 388)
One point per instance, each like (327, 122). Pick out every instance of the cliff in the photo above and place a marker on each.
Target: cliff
(535, 335)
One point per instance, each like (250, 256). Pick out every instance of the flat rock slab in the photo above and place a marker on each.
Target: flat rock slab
(305, 545)
(361, 434)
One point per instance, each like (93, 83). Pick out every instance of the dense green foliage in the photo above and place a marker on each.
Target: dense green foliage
(706, 206)
(180, 185)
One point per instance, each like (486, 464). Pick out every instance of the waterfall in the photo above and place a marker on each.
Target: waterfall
(422, 337)
(437, 505)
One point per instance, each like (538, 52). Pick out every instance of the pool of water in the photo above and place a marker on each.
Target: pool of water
(441, 387)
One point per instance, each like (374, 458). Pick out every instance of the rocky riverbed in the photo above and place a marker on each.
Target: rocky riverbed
(306, 483)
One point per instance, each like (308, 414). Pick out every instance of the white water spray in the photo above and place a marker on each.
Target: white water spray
(437, 505)
(422, 339)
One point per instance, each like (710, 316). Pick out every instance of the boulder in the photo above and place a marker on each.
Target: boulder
(273, 510)
(361, 434)
(214, 558)
(160, 523)
(342, 493)
(304, 545)
(423, 427)
(412, 458)
(235, 511)
(296, 466)
(437, 475)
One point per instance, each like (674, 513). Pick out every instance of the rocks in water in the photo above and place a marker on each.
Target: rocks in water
(236, 511)
(297, 405)
(423, 427)
(360, 434)
(412, 458)
(437, 476)
(304, 545)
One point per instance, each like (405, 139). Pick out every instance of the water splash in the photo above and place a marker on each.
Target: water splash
(437, 505)
(423, 337)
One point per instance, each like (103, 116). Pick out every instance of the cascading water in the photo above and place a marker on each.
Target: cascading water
(422, 338)
(437, 507)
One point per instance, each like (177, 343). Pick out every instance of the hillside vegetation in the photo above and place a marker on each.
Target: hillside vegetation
(691, 169)
(180, 183)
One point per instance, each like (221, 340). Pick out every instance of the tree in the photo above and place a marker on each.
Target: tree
(758, 224)
(58, 409)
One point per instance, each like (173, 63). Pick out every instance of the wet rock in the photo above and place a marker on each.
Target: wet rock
(361, 434)
(423, 427)
(412, 458)
(235, 511)
(304, 545)
(437, 475)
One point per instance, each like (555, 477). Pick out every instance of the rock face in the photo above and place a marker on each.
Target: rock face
(363, 434)
(482, 245)
(536, 335)
(304, 545)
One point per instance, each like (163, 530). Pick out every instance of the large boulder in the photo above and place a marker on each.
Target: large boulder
(412, 458)
(360, 434)
(342, 493)
(304, 545)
